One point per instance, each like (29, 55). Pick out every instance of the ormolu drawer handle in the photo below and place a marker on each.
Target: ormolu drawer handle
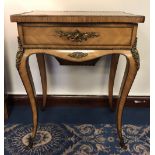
(77, 36)
(78, 55)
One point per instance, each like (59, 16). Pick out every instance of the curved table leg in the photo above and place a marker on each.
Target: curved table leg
(129, 76)
(113, 68)
(25, 74)
(130, 73)
(42, 70)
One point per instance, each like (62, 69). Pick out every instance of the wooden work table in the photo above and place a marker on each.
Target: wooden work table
(92, 34)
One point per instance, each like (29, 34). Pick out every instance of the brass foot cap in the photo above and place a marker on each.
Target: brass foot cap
(30, 143)
(123, 146)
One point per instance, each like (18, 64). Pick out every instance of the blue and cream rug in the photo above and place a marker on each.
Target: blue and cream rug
(80, 139)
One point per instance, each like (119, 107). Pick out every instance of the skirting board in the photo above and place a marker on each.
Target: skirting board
(80, 100)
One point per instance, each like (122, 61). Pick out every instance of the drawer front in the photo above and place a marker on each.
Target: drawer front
(106, 36)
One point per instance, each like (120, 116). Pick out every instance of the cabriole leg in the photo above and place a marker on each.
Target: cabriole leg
(129, 76)
(25, 74)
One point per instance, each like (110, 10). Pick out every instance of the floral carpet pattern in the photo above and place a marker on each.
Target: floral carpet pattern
(81, 139)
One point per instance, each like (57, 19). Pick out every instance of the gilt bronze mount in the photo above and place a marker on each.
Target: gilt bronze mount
(78, 55)
(19, 54)
(77, 36)
(135, 54)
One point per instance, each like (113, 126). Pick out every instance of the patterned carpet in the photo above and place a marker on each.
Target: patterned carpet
(80, 139)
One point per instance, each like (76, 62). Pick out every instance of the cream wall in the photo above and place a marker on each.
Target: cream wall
(77, 80)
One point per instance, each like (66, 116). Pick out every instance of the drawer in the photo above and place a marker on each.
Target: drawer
(81, 36)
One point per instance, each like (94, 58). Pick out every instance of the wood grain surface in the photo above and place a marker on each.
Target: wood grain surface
(78, 16)
(92, 34)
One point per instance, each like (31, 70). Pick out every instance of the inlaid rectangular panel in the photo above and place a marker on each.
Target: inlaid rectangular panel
(77, 36)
